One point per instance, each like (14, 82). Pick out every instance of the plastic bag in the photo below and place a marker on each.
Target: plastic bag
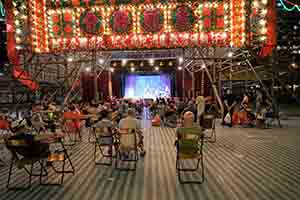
(227, 118)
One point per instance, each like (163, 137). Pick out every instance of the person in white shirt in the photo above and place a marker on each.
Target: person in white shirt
(200, 102)
(130, 122)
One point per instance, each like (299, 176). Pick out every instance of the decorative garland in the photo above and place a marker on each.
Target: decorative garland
(154, 20)
(120, 21)
(213, 19)
(183, 18)
(88, 3)
(56, 27)
(68, 3)
(90, 22)
(68, 24)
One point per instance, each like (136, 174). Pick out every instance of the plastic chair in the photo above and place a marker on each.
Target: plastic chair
(126, 145)
(189, 146)
(71, 126)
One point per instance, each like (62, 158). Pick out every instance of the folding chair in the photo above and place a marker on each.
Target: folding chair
(126, 146)
(71, 127)
(23, 154)
(189, 146)
(104, 140)
(29, 153)
(209, 124)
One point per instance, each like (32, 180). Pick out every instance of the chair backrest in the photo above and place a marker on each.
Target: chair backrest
(190, 140)
(4, 124)
(103, 131)
(25, 145)
(128, 138)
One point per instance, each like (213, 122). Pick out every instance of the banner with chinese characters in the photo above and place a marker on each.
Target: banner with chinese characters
(140, 24)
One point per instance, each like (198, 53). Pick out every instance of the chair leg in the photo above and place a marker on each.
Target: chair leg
(30, 174)
(202, 169)
(63, 172)
(95, 151)
(41, 172)
(180, 170)
(10, 171)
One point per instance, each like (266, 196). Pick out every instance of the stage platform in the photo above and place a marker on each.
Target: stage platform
(243, 164)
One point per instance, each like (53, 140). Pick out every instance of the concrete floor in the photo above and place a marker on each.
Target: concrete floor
(244, 164)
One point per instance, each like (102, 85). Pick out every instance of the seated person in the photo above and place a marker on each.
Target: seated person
(130, 122)
(188, 122)
(107, 128)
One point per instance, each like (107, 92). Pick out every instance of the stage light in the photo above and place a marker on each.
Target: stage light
(70, 59)
(132, 69)
(156, 68)
(112, 69)
(203, 66)
(161, 64)
(101, 61)
(124, 62)
(142, 64)
(230, 54)
(114, 64)
(180, 59)
(170, 64)
(151, 61)
(179, 68)
(88, 69)
(132, 64)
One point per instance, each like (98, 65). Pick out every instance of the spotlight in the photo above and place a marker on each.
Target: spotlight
(132, 69)
(70, 59)
(101, 61)
(151, 61)
(179, 68)
(156, 68)
(88, 69)
(142, 64)
(124, 62)
(180, 59)
(230, 54)
(203, 66)
(170, 63)
(161, 64)
(114, 64)
(112, 69)
(132, 64)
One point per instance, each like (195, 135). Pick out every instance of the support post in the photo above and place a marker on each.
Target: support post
(110, 84)
(215, 91)
(96, 97)
(193, 83)
(183, 85)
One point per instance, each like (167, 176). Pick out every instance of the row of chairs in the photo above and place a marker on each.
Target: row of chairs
(121, 145)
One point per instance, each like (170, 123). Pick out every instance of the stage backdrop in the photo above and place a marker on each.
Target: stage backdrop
(147, 85)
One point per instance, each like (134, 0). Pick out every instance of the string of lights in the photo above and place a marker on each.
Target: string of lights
(289, 6)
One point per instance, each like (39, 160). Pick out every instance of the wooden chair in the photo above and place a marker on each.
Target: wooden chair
(189, 146)
(126, 145)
